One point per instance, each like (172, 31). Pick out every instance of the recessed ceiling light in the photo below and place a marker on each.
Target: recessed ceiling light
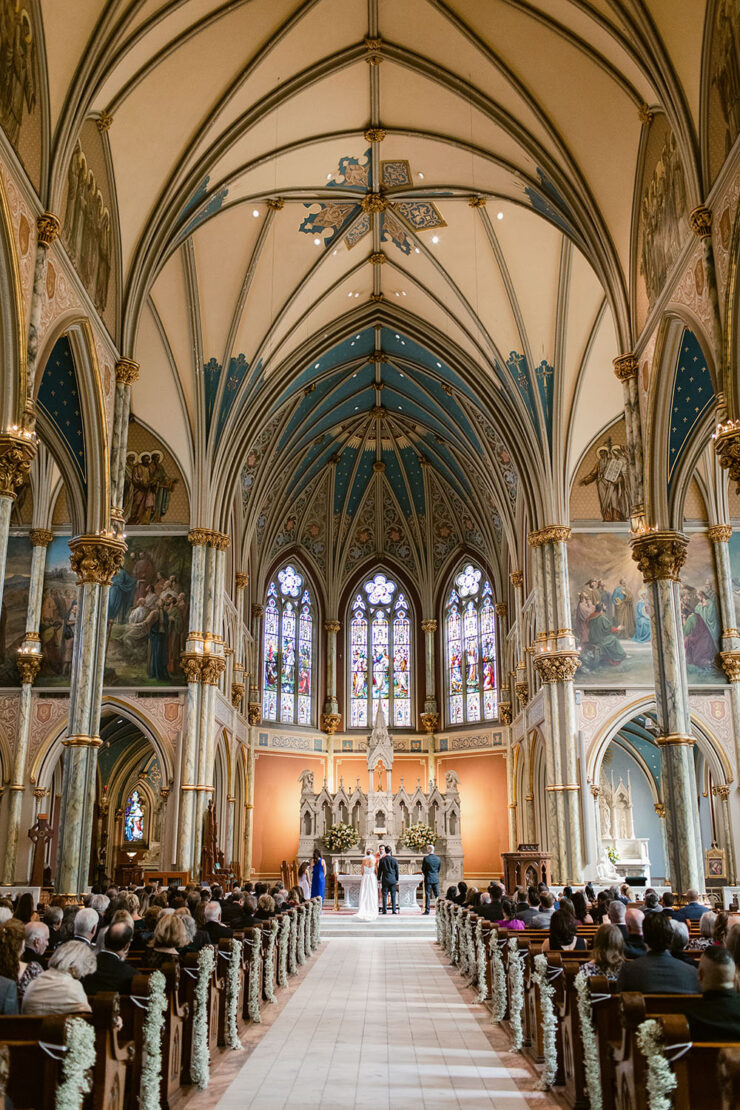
(255, 212)
(398, 336)
(328, 177)
(316, 366)
(397, 293)
(417, 250)
(403, 292)
(399, 406)
(357, 336)
(420, 176)
(435, 238)
(439, 364)
(317, 241)
(357, 294)
(499, 215)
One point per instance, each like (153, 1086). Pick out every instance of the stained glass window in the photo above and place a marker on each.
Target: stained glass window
(133, 818)
(380, 654)
(470, 632)
(287, 677)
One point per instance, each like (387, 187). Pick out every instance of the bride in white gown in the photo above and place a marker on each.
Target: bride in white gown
(368, 910)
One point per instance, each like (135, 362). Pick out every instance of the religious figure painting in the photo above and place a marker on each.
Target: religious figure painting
(154, 490)
(19, 82)
(87, 228)
(59, 606)
(14, 607)
(601, 487)
(662, 222)
(724, 83)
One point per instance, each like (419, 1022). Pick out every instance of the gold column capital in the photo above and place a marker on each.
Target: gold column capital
(476, 202)
(17, 449)
(254, 712)
(211, 669)
(517, 578)
(722, 792)
(551, 533)
(727, 446)
(190, 661)
(127, 371)
(700, 221)
(625, 367)
(40, 537)
(731, 664)
(430, 722)
(332, 626)
(557, 666)
(504, 712)
(522, 691)
(659, 808)
(48, 227)
(237, 694)
(29, 665)
(719, 533)
(502, 610)
(330, 723)
(257, 611)
(659, 555)
(207, 537)
(97, 558)
(429, 625)
(377, 258)
(104, 122)
(241, 580)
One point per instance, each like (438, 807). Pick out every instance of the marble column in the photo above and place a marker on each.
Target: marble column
(722, 792)
(511, 762)
(700, 222)
(95, 559)
(719, 536)
(241, 581)
(626, 367)
(17, 448)
(254, 718)
(430, 718)
(47, 229)
(659, 557)
(191, 662)
(331, 718)
(229, 837)
(127, 372)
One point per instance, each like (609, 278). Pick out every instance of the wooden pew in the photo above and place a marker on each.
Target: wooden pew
(729, 1077)
(114, 1054)
(177, 1032)
(33, 1073)
(627, 1085)
(695, 1067)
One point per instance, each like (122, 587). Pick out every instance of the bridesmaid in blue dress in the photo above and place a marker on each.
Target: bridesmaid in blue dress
(318, 876)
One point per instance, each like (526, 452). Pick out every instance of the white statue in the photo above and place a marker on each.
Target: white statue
(306, 780)
(452, 781)
(606, 872)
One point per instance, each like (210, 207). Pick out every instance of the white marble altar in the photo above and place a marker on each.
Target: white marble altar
(408, 886)
(618, 831)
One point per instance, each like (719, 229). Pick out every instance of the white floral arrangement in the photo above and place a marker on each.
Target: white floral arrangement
(283, 944)
(300, 951)
(591, 1062)
(516, 995)
(316, 924)
(293, 942)
(660, 1077)
(453, 934)
(200, 1064)
(549, 1021)
(79, 1060)
(498, 981)
(232, 993)
(341, 837)
(269, 964)
(417, 837)
(151, 1067)
(253, 993)
(480, 956)
(469, 945)
(439, 922)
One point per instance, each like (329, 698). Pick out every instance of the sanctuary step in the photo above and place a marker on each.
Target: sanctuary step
(394, 928)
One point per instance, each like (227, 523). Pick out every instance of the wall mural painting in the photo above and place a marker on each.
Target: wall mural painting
(14, 606)
(662, 222)
(58, 615)
(724, 83)
(154, 489)
(148, 609)
(735, 566)
(602, 488)
(20, 109)
(611, 612)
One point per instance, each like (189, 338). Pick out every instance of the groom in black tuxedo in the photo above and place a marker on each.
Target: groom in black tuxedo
(388, 875)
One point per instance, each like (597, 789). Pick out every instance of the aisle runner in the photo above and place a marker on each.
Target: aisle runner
(379, 1024)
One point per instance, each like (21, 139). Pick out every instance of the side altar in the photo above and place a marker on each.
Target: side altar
(382, 816)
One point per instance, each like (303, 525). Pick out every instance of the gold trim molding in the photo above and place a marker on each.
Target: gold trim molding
(504, 712)
(731, 664)
(48, 228)
(700, 221)
(332, 626)
(557, 666)
(16, 453)
(241, 580)
(675, 738)
(81, 741)
(517, 578)
(200, 537)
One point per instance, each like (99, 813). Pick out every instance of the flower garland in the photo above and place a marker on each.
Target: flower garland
(232, 993)
(283, 944)
(269, 964)
(549, 1021)
(591, 1062)
(253, 995)
(480, 951)
(151, 1067)
(79, 1060)
(300, 952)
(309, 929)
(453, 934)
(462, 962)
(293, 942)
(200, 1065)
(316, 923)
(660, 1077)
(498, 981)
(438, 919)
(471, 962)
(516, 986)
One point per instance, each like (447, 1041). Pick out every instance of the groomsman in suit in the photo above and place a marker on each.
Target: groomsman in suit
(430, 866)
(388, 875)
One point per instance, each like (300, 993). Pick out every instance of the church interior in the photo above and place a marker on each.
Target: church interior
(369, 442)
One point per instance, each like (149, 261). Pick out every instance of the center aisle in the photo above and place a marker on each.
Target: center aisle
(379, 1023)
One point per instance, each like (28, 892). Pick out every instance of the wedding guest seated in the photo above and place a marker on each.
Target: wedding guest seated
(693, 909)
(36, 935)
(462, 890)
(59, 990)
(260, 889)
(617, 913)
(295, 898)
(541, 920)
(601, 910)
(496, 891)
(85, 927)
(583, 917)
(607, 952)
(681, 942)
(563, 934)
(265, 908)
(543, 888)
(521, 904)
(635, 945)
(231, 910)
(509, 920)
(143, 935)
(471, 897)
(216, 931)
(486, 905)
(168, 938)
(53, 919)
(451, 894)
(732, 944)
(717, 1016)
(113, 972)
(6, 912)
(589, 893)
(706, 931)
(626, 894)
(533, 907)
(567, 905)
(667, 902)
(657, 972)
(250, 909)
(196, 938)
(25, 911)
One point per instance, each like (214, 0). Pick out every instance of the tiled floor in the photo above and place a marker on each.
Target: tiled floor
(381, 1024)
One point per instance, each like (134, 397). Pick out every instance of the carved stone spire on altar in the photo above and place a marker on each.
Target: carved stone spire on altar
(379, 753)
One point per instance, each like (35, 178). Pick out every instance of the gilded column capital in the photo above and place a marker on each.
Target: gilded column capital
(557, 666)
(241, 580)
(522, 691)
(127, 371)
(164, 793)
(659, 555)
(722, 792)
(731, 664)
(659, 808)
(97, 558)
(375, 134)
(596, 791)
(625, 367)
(429, 625)
(727, 446)
(190, 661)
(551, 533)
(330, 723)
(430, 722)
(332, 626)
(700, 221)
(476, 202)
(374, 48)
(17, 449)
(257, 611)
(719, 533)
(502, 610)
(48, 227)
(211, 669)
(254, 712)
(29, 665)
(376, 298)
(40, 537)
(237, 694)
(104, 122)
(517, 578)
(200, 537)
(504, 712)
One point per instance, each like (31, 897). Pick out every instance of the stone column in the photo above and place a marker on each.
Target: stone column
(47, 229)
(511, 797)
(625, 367)
(254, 718)
(95, 559)
(17, 448)
(237, 686)
(722, 792)
(719, 535)
(430, 718)
(229, 835)
(700, 222)
(127, 372)
(191, 665)
(331, 718)
(659, 557)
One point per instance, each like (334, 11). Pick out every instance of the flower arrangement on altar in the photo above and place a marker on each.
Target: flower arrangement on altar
(341, 837)
(417, 837)
(613, 855)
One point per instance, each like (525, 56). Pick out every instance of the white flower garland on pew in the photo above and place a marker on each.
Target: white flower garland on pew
(253, 994)
(269, 967)
(232, 993)
(300, 951)
(151, 1068)
(438, 920)
(471, 960)
(466, 947)
(283, 944)
(200, 1065)
(516, 988)
(591, 1062)
(660, 1077)
(453, 934)
(549, 1021)
(498, 980)
(293, 942)
(79, 1059)
(480, 951)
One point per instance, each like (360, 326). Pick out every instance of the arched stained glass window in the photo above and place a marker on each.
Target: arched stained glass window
(287, 677)
(470, 633)
(133, 818)
(380, 654)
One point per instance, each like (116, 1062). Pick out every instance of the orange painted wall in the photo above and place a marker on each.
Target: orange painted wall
(277, 796)
(483, 805)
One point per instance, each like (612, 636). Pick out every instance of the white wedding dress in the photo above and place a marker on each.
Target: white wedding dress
(368, 910)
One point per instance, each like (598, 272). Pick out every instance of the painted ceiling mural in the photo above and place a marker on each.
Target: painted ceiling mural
(21, 91)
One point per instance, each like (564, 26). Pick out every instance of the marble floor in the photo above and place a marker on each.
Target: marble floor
(376, 1023)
